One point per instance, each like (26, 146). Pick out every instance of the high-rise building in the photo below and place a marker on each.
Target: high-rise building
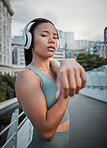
(59, 55)
(17, 51)
(61, 39)
(80, 44)
(5, 37)
(69, 40)
(66, 40)
(105, 35)
(18, 59)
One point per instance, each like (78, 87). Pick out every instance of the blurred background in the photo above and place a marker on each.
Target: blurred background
(82, 28)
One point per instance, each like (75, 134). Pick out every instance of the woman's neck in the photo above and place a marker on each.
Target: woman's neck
(41, 63)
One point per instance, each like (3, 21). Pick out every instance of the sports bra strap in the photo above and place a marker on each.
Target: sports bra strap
(36, 70)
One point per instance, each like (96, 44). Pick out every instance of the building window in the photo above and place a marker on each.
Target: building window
(15, 56)
(0, 58)
(0, 35)
(4, 49)
(8, 51)
(4, 38)
(0, 47)
(4, 59)
(7, 42)
(0, 14)
(4, 29)
(8, 61)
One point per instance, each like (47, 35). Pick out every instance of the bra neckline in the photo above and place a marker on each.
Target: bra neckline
(43, 73)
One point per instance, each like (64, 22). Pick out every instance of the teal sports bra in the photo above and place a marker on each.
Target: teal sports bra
(49, 90)
(60, 139)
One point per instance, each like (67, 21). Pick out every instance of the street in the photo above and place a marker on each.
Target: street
(88, 123)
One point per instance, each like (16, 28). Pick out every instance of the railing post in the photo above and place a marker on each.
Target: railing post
(87, 85)
(98, 79)
(91, 79)
(13, 130)
(105, 70)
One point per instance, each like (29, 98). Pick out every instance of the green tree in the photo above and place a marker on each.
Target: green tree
(10, 80)
(7, 85)
(2, 96)
(90, 61)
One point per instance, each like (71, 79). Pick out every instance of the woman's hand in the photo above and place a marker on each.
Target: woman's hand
(70, 77)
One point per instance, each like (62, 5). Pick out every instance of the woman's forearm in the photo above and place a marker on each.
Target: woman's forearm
(54, 115)
(55, 65)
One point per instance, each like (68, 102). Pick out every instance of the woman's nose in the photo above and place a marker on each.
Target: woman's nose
(51, 40)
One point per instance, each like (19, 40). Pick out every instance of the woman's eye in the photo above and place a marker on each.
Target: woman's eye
(55, 38)
(44, 35)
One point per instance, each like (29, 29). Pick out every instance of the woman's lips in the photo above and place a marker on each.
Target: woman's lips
(51, 48)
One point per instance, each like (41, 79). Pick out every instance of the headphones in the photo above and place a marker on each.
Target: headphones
(27, 36)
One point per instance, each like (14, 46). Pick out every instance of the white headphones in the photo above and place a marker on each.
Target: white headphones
(27, 36)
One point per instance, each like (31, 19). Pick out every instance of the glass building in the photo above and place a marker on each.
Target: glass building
(105, 35)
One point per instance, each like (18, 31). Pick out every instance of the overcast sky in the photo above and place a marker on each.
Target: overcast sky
(87, 18)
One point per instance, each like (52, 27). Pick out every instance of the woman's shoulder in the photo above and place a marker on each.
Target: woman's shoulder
(25, 74)
(26, 77)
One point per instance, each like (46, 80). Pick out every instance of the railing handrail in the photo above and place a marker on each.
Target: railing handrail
(8, 107)
(99, 68)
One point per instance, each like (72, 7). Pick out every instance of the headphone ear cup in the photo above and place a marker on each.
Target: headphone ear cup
(57, 44)
(27, 39)
(23, 39)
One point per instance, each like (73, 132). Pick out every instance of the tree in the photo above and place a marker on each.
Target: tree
(90, 61)
(7, 85)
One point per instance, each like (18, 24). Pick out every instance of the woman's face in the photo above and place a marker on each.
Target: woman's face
(45, 40)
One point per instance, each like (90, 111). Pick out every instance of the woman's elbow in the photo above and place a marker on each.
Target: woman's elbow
(47, 136)
(45, 133)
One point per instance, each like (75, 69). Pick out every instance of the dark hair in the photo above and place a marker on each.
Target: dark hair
(28, 52)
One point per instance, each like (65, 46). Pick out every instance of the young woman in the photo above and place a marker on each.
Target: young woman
(36, 88)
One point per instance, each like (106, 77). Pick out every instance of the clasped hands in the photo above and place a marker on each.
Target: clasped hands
(71, 78)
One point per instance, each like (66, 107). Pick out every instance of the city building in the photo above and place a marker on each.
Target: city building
(61, 39)
(68, 53)
(79, 44)
(59, 55)
(18, 59)
(101, 50)
(105, 35)
(6, 13)
(69, 40)
(66, 40)
(17, 51)
(94, 47)
(78, 47)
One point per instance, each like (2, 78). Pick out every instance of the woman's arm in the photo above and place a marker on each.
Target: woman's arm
(55, 65)
(29, 92)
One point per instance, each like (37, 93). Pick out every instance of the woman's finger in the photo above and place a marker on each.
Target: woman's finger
(72, 83)
(58, 92)
(78, 82)
(83, 77)
(64, 85)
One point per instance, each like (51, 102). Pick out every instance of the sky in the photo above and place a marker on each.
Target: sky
(86, 18)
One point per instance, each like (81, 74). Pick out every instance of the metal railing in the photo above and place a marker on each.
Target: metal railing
(97, 78)
(7, 107)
